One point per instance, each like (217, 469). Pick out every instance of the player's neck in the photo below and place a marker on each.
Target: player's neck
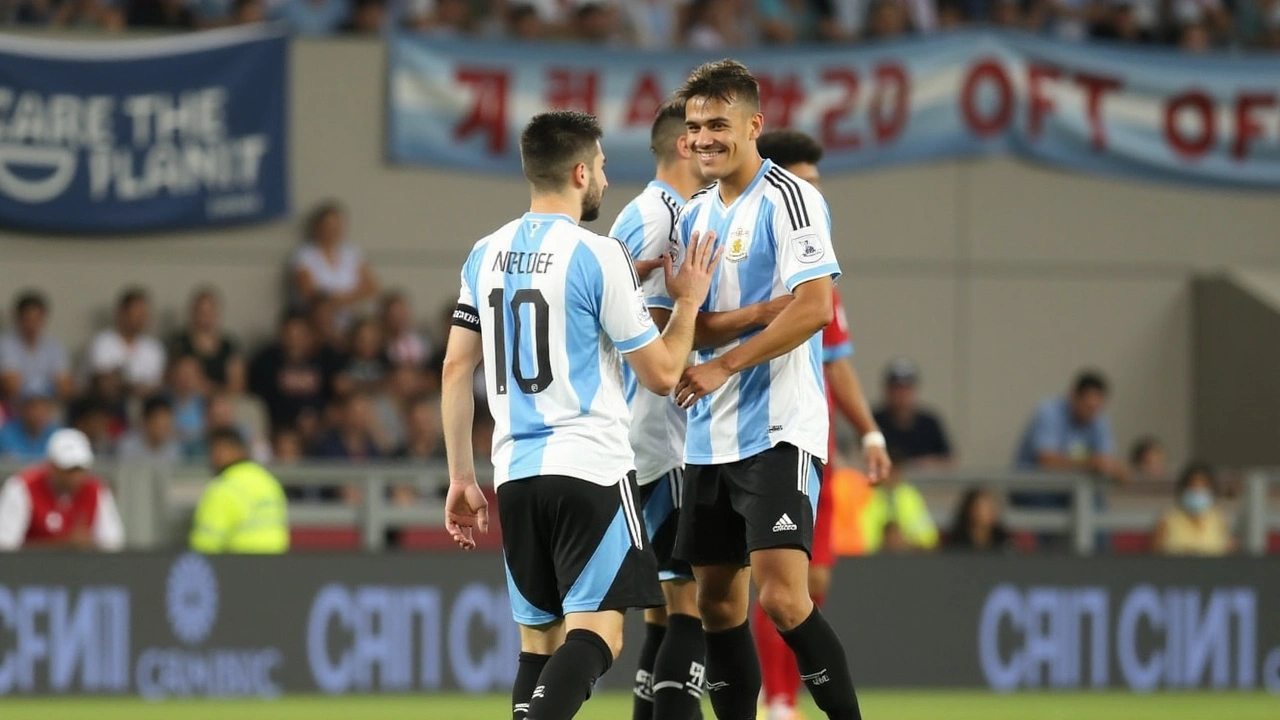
(680, 179)
(556, 205)
(733, 185)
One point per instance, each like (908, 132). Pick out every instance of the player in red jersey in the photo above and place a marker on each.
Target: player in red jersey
(799, 154)
(57, 503)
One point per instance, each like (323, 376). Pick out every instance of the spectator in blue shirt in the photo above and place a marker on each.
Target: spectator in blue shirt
(313, 17)
(1070, 434)
(25, 436)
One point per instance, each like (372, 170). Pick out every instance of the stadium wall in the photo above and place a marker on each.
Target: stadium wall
(999, 277)
(160, 625)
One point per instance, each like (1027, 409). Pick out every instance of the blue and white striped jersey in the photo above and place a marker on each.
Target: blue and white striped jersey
(554, 304)
(647, 227)
(776, 236)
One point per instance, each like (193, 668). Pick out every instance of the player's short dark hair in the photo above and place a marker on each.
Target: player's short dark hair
(154, 404)
(28, 300)
(131, 295)
(724, 80)
(226, 434)
(1089, 380)
(789, 147)
(553, 143)
(668, 125)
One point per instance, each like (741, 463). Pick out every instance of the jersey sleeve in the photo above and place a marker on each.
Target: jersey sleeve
(624, 316)
(648, 240)
(108, 528)
(466, 314)
(802, 233)
(835, 336)
(15, 514)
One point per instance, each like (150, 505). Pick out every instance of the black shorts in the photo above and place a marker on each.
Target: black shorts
(574, 546)
(766, 501)
(661, 502)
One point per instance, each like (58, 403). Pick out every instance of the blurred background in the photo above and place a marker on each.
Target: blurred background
(1057, 223)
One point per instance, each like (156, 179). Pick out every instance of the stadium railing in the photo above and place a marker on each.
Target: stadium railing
(157, 501)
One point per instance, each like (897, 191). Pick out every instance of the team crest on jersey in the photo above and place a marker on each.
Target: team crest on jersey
(808, 250)
(738, 241)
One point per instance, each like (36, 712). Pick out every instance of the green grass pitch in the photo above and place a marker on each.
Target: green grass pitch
(929, 705)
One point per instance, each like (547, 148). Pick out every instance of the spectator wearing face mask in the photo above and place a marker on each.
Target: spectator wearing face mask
(1195, 526)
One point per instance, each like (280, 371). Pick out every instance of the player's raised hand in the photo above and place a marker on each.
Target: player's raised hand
(693, 280)
(465, 510)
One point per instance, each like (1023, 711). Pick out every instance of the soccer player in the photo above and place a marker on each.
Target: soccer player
(799, 154)
(758, 427)
(549, 307)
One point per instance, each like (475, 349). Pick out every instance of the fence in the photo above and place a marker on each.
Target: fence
(156, 501)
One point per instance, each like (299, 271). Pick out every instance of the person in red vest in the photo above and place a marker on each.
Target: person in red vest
(58, 504)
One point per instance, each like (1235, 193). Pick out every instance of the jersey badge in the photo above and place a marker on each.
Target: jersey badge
(738, 242)
(808, 250)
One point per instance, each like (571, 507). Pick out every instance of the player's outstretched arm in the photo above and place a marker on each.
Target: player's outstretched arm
(808, 313)
(465, 505)
(846, 390)
(658, 365)
(714, 329)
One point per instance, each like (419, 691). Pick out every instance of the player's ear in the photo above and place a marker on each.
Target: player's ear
(581, 175)
(682, 146)
(757, 125)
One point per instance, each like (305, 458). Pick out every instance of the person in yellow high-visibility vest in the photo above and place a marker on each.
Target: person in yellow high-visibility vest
(897, 502)
(244, 509)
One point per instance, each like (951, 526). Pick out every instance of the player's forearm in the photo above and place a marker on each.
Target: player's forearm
(457, 412)
(795, 325)
(678, 337)
(847, 392)
(721, 328)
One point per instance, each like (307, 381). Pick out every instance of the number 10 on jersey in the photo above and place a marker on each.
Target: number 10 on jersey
(541, 346)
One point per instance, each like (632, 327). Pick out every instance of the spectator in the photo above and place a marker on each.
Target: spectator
(93, 416)
(898, 503)
(788, 22)
(30, 356)
(392, 406)
(327, 264)
(951, 15)
(220, 413)
(716, 25)
(244, 509)
(1194, 526)
(98, 14)
(128, 348)
(248, 12)
(288, 376)
(977, 526)
(58, 504)
(911, 432)
(154, 442)
(352, 438)
(1147, 460)
(888, 19)
(25, 436)
(423, 441)
(189, 390)
(1009, 14)
(366, 367)
(1072, 433)
(440, 18)
(524, 23)
(405, 346)
(653, 23)
(597, 23)
(286, 447)
(160, 14)
(205, 339)
(311, 17)
(368, 17)
(331, 338)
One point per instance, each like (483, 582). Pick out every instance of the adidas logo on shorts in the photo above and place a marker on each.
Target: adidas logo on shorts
(784, 524)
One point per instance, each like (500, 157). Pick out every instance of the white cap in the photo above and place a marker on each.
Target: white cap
(69, 448)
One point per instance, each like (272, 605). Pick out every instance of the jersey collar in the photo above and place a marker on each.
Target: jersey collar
(668, 190)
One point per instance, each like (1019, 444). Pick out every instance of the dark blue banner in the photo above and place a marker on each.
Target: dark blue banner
(110, 137)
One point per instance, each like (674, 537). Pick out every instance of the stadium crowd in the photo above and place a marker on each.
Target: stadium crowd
(711, 25)
(353, 375)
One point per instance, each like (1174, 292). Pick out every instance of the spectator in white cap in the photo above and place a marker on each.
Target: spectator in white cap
(58, 503)
(911, 432)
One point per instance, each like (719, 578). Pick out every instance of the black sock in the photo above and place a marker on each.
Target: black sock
(824, 667)
(733, 673)
(642, 702)
(680, 671)
(569, 676)
(527, 673)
